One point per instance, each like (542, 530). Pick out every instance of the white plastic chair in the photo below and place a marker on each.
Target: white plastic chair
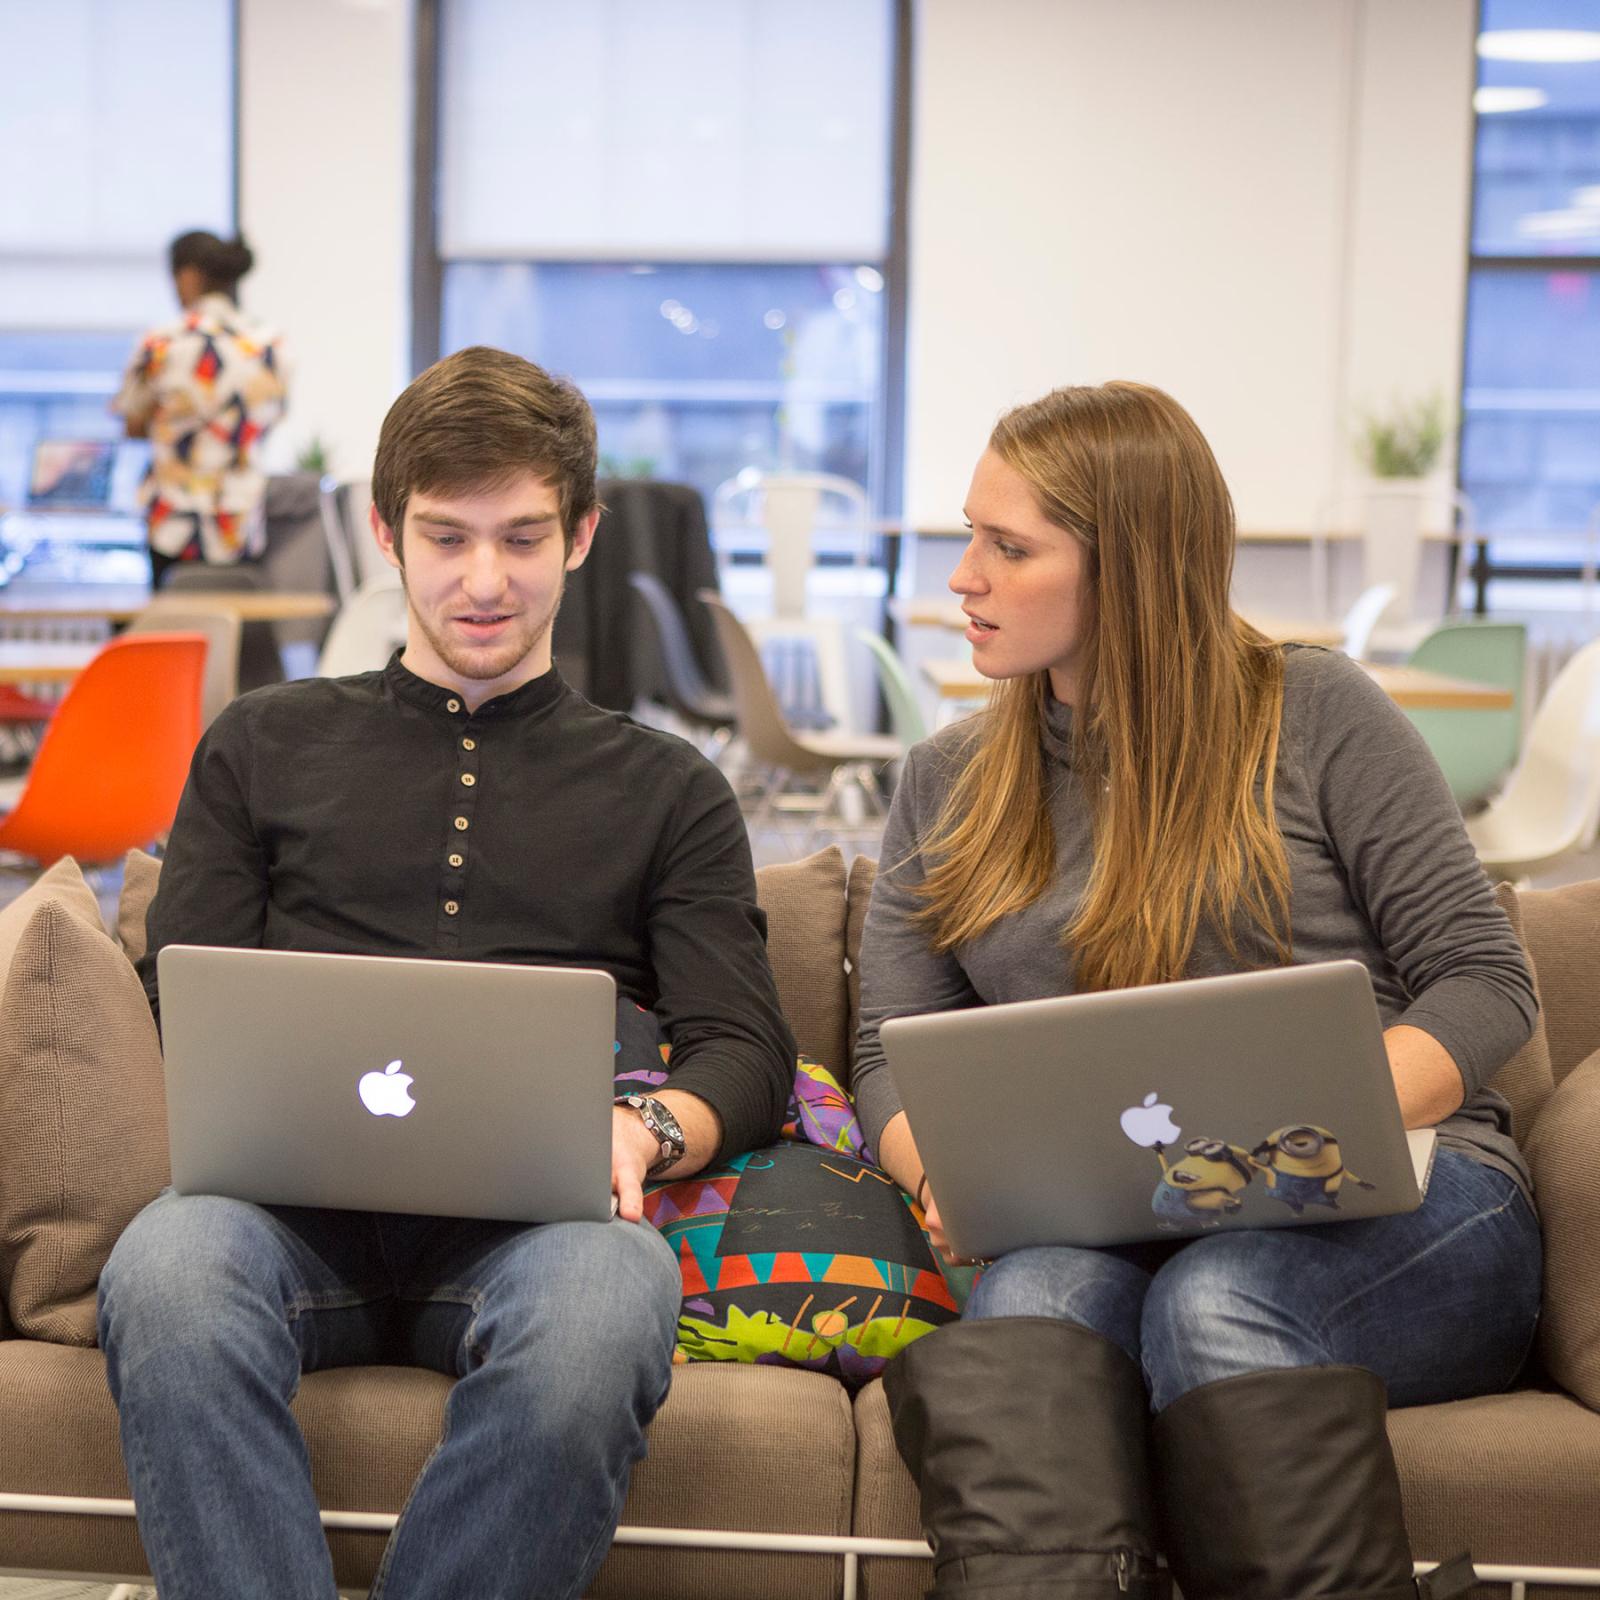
(775, 749)
(1362, 618)
(1550, 807)
(370, 627)
(188, 613)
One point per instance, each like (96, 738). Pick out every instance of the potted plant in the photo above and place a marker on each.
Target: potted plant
(1399, 447)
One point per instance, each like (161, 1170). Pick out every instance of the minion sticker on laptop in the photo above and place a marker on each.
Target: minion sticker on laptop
(1304, 1167)
(1206, 1179)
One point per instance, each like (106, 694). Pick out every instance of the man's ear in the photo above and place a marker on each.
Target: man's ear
(582, 538)
(387, 544)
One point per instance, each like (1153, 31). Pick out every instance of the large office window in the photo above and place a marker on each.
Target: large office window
(1530, 445)
(116, 133)
(683, 205)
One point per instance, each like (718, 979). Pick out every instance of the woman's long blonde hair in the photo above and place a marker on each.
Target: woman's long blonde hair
(1179, 704)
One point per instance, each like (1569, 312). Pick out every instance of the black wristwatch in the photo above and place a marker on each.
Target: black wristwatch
(664, 1128)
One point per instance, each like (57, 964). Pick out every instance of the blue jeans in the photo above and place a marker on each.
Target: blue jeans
(560, 1338)
(1441, 1302)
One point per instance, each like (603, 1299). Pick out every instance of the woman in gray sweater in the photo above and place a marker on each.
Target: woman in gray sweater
(1157, 791)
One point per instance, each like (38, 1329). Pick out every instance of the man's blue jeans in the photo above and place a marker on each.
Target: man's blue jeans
(1441, 1303)
(560, 1336)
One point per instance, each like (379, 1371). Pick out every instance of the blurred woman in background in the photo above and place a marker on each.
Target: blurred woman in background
(205, 389)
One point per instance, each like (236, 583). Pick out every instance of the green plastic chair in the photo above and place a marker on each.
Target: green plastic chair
(905, 714)
(1475, 749)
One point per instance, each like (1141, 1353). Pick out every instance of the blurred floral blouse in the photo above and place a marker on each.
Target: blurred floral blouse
(206, 387)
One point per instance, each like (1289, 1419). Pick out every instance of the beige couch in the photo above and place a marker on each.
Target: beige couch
(749, 1449)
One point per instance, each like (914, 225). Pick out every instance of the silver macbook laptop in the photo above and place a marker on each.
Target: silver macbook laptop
(1257, 1100)
(450, 1088)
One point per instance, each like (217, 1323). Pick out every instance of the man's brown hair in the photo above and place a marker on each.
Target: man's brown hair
(477, 419)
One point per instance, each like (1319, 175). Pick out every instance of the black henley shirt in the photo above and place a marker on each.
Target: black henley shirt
(377, 815)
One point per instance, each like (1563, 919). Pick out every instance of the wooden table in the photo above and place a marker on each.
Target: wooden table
(1409, 687)
(43, 661)
(931, 612)
(116, 603)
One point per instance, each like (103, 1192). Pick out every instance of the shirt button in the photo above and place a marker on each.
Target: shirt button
(468, 779)
(456, 858)
(451, 907)
(469, 744)
(461, 824)
(452, 705)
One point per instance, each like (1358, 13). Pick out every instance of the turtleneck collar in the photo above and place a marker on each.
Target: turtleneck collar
(1056, 734)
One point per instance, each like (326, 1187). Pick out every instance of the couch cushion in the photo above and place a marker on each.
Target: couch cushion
(84, 1120)
(1525, 1080)
(804, 903)
(1510, 1476)
(141, 874)
(863, 873)
(1561, 1153)
(750, 1448)
(1563, 935)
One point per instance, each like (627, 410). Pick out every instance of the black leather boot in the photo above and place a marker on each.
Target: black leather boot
(1281, 1486)
(1029, 1441)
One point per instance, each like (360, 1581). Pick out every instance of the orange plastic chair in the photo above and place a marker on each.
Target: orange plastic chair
(113, 761)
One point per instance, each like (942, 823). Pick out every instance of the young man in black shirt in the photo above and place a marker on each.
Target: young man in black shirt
(461, 803)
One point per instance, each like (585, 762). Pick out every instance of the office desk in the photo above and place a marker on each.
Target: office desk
(931, 612)
(113, 603)
(1409, 687)
(43, 661)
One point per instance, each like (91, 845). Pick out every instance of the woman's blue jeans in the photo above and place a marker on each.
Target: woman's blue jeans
(560, 1338)
(1441, 1302)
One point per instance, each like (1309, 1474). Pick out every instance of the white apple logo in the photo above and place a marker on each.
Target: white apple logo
(1150, 1124)
(384, 1093)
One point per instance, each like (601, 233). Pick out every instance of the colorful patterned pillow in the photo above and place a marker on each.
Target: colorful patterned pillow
(800, 1256)
(804, 1254)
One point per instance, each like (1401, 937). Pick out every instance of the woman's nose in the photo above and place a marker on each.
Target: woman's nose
(966, 579)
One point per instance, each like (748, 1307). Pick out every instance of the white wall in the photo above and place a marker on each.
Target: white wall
(324, 198)
(1258, 206)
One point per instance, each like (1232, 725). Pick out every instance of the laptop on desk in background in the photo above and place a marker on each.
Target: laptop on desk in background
(375, 1083)
(80, 523)
(1256, 1100)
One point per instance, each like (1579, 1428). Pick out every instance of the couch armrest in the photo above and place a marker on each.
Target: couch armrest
(1561, 1152)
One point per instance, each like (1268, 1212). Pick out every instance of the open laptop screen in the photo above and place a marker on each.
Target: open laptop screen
(72, 474)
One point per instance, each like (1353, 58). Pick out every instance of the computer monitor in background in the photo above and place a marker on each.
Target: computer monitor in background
(72, 475)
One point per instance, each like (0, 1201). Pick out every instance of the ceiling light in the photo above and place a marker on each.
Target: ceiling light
(1539, 44)
(1493, 98)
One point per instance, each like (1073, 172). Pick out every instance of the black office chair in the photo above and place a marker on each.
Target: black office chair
(677, 675)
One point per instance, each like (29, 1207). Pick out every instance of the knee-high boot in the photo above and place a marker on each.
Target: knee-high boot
(1028, 1438)
(1281, 1485)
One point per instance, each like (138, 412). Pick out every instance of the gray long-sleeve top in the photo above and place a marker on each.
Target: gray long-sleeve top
(1381, 871)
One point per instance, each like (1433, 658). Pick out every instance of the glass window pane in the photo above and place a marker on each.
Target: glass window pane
(1538, 150)
(1530, 442)
(694, 371)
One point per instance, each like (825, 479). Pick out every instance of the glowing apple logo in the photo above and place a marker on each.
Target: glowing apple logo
(385, 1094)
(1150, 1124)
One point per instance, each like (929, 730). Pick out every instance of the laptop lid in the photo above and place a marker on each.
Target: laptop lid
(1256, 1100)
(449, 1088)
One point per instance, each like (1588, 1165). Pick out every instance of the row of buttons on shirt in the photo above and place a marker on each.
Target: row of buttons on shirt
(456, 859)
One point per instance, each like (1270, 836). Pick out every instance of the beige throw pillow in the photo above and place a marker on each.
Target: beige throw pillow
(804, 903)
(83, 1118)
(1526, 1079)
(141, 874)
(62, 882)
(1561, 1153)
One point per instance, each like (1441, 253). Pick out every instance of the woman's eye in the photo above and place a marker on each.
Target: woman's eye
(1011, 552)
